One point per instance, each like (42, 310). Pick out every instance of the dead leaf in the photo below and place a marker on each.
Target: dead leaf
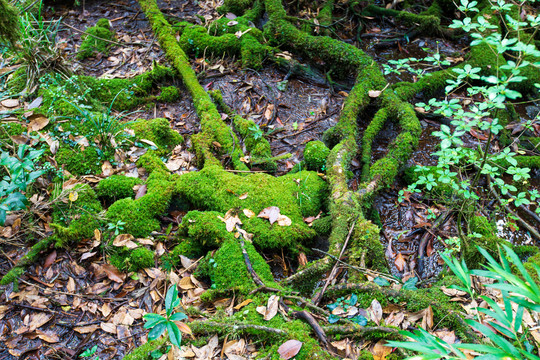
(271, 307)
(71, 285)
(230, 220)
(86, 329)
(374, 93)
(243, 303)
(48, 336)
(36, 103)
(400, 262)
(243, 196)
(10, 103)
(271, 213)
(185, 283)
(249, 213)
(125, 240)
(37, 320)
(108, 327)
(73, 196)
(183, 327)
(289, 349)
(113, 273)
(376, 311)
(37, 122)
(283, 220)
(380, 351)
(50, 259)
(107, 168)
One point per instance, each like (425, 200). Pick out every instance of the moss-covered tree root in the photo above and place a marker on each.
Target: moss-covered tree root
(32, 255)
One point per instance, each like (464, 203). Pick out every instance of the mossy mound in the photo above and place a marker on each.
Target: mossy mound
(169, 94)
(79, 162)
(323, 226)
(117, 187)
(296, 195)
(204, 227)
(135, 260)
(76, 220)
(151, 162)
(95, 40)
(488, 240)
(315, 154)
(140, 215)
(159, 132)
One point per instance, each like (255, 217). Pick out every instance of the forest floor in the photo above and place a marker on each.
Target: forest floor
(71, 298)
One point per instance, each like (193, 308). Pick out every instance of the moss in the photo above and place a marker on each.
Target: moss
(94, 41)
(159, 132)
(258, 147)
(230, 270)
(204, 227)
(169, 94)
(9, 129)
(151, 162)
(323, 226)
(79, 162)
(488, 241)
(125, 260)
(17, 81)
(296, 195)
(187, 247)
(9, 23)
(125, 94)
(117, 187)
(315, 154)
(77, 220)
(30, 257)
(140, 215)
(526, 251)
(143, 352)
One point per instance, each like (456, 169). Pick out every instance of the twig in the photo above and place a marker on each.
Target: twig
(439, 222)
(361, 269)
(106, 40)
(264, 289)
(249, 266)
(333, 273)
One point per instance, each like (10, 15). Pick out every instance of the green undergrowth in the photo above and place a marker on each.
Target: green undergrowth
(117, 187)
(159, 132)
(94, 41)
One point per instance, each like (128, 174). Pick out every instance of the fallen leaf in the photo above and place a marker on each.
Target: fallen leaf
(230, 220)
(289, 349)
(37, 122)
(374, 93)
(50, 259)
(10, 103)
(125, 240)
(283, 220)
(36, 103)
(249, 213)
(183, 327)
(380, 351)
(113, 273)
(86, 329)
(186, 284)
(243, 196)
(48, 336)
(243, 303)
(108, 327)
(271, 307)
(38, 320)
(376, 312)
(400, 262)
(271, 213)
(73, 196)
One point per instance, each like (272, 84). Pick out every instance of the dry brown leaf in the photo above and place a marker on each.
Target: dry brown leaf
(37, 320)
(71, 285)
(376, 311)
(186, 283)
(113, 273)
(105, 309)
(380, 351)
(10, 103)
(108, 327)
(230, 220)
(400, 262)
(125, 240)
(50, 259)
(271, 307)
(107, 168)
(249, 213)
(243, 196)
(37, 122)
(283, 220)
(86, 329)
(374, 93)
(48, 336)
(183, 327)
(186, 262)
(243, 303)
(271, 213)
(289, 349)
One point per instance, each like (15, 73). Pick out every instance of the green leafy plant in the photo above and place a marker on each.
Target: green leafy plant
(461, 174)
(106, 128)
(158, 324)
(506, 333)
(118, 227)
(90, 352)
(20, 173)
(256, 131)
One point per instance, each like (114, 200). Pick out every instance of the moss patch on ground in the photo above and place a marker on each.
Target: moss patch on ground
(96, 40)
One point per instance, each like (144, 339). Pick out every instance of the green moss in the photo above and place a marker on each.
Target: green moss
(204, 227)
(187, 247)
(17, 81)
(296, 195)
(322, 226)
(125, 260)
(79, 162)
(77, 220)
(143, 352)
(26, 260)
(140, 215)
(151, 162)
(488, 241)
(9, 23)
(117, 187)
(315, 155)
(94, 41)
(159, 132)
(169, 94)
